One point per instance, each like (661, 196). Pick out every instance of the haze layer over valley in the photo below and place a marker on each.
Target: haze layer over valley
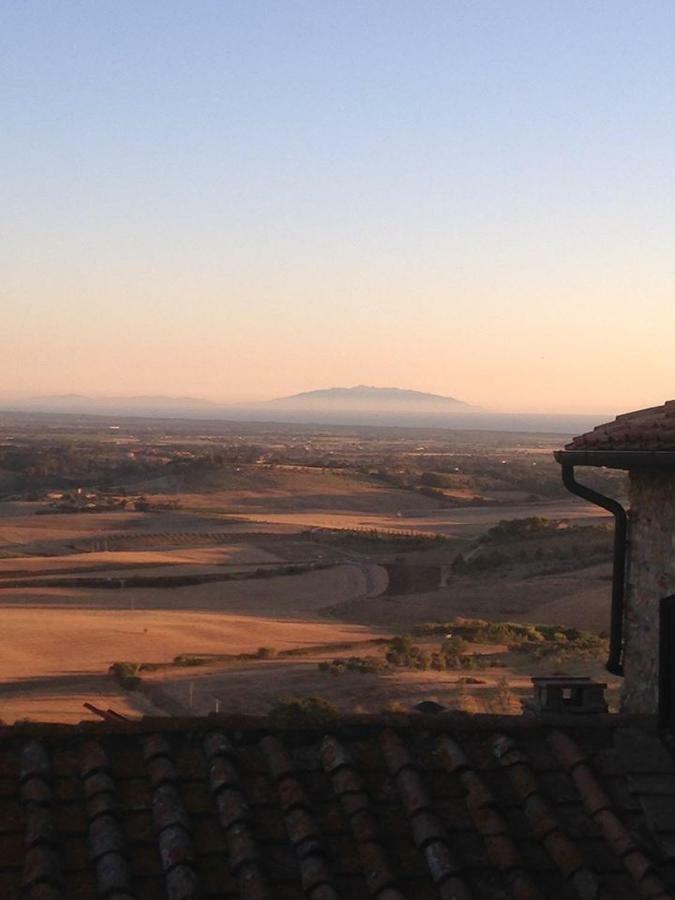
(358, 405)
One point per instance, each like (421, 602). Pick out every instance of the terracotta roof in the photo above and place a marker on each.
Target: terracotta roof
(646, 429)
(448, 807)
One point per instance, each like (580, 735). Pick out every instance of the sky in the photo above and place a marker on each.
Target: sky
(242, 200)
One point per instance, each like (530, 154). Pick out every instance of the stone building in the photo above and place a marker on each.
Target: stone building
(643, 602)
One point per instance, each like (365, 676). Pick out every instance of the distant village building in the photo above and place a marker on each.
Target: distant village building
(643, 595)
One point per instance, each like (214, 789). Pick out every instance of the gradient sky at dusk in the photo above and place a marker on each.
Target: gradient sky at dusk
(239, 200)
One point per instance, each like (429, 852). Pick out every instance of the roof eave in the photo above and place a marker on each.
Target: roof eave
(661, 460)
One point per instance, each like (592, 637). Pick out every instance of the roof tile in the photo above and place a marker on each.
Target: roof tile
(644, 429)
(36, 791)
(112, 874)
(429, 835)
(105, 837)
(183, 809)
(97, 782)
(171, 822)
(232, 807)
(235, 818)
(161, 771)
(175, 847)
(41, 865)
(222, 773)
(599, 808)
(35, 761)
(543, 822)
(93, 758)
(167, 808)
(182, 883)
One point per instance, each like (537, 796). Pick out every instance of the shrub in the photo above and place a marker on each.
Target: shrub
(184, 660)
(504, 694)
(459, 563)
(402, 644)
(126, 674)
(299, 712)
(364, 665)
(125, 668)
(517, 529)
(454, 645)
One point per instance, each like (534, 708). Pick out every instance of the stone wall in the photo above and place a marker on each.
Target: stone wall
(651, 576)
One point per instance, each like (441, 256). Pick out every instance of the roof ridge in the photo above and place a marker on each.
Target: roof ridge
(367, 722)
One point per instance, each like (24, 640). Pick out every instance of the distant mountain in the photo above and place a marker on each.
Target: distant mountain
(363, 398)
(355, 406)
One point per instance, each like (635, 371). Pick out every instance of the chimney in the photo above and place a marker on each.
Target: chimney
(571, 695)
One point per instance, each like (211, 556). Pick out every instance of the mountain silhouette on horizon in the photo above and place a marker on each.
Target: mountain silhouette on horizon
(364, 396)
(361, 405)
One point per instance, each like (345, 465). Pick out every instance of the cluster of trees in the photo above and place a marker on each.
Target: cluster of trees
(42, 467)
(302, 712)
(521, 529)
(452, 654)
(541, 641)
(402, 653)
(477, 473)
(536, 540)
(495, 559)
(364, 665)
(536, 528)
(487, 472)
(46, 465)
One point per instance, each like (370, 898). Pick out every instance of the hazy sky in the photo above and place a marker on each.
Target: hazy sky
(246, 199)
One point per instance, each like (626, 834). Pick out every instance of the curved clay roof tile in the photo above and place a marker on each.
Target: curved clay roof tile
(644, 429)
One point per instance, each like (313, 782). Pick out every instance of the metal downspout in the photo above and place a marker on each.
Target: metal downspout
(614, 661)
